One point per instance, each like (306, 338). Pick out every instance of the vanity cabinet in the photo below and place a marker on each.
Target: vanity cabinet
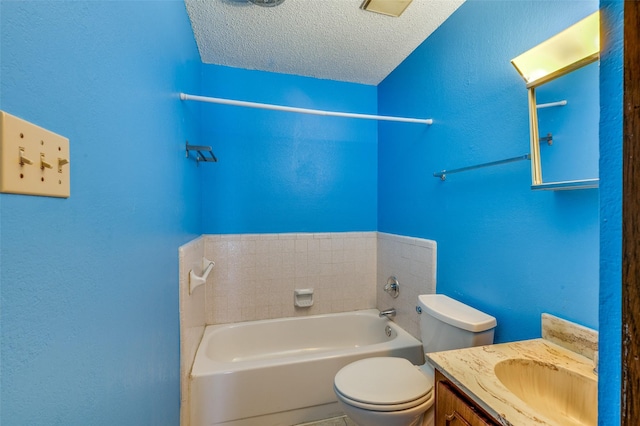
(454, 408)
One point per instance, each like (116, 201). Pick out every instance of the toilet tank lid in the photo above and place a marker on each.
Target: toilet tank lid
(456, 313)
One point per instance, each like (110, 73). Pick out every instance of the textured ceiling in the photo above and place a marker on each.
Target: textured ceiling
(328, 39)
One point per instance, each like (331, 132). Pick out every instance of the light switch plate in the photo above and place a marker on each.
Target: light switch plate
(33, 160)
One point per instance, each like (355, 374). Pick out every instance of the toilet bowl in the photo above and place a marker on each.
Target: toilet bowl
(398, 394)
(388, 391)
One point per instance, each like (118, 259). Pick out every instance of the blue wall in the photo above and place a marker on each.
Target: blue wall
(611, 76)
(503, 248)
(89, 303)
(287, 172)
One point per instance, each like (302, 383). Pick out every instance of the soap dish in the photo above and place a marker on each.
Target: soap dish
(303, 298)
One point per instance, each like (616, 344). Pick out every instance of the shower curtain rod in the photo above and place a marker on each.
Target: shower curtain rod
(187, 97)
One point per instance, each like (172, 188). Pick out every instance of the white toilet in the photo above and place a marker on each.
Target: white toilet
(388, 391)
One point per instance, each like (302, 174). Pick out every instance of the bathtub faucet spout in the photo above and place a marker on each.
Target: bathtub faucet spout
(389, 313)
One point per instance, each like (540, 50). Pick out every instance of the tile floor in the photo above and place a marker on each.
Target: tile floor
(335, 421)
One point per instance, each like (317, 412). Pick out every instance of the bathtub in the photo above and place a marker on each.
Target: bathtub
(280, 372)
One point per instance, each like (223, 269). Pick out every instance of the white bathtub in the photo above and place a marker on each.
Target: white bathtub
(280, 372)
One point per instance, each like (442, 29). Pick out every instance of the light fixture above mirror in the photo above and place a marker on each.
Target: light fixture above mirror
(575, 47)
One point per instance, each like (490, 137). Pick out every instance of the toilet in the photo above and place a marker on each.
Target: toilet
(389, 391)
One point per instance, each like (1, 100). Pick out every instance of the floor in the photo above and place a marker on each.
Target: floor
(335, 421)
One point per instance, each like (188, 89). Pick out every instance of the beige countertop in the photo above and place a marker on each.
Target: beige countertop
(472, 370)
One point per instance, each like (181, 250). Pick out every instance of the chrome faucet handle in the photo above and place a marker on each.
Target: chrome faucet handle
(392, 287)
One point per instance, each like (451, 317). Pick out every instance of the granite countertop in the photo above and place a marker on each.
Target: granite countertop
(472, 370)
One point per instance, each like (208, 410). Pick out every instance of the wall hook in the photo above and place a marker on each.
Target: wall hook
(196, 281)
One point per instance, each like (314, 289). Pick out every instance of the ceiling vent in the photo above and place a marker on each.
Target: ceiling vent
(385, 7)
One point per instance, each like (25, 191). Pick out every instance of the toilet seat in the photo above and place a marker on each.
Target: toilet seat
(383, 384)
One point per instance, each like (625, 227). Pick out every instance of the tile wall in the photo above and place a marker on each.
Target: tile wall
(192, 318)
(255, 276)
(413, 262)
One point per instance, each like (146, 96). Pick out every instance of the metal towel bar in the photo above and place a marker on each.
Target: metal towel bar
(443, 174)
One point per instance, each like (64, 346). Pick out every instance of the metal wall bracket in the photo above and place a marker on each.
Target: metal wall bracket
(200, 149)
(548, 139)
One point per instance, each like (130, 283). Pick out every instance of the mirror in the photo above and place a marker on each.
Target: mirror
(572, 154)
(559, 69)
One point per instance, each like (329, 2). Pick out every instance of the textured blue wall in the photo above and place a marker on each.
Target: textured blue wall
(611, 76)
(503, 248)
(89, 303)
(287, 172)
(89, 306)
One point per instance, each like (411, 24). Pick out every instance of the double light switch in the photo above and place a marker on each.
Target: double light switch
(33, 160)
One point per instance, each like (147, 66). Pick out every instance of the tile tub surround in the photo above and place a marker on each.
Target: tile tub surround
(192, 318)
(413, 262)
(255, 275)
(472, 370)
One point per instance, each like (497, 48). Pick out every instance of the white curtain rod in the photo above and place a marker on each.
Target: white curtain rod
(186, 97)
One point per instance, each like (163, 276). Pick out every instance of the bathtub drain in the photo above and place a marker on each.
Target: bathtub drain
(387, 330)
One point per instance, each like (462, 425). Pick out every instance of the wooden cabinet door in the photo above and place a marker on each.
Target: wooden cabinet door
(451, 410)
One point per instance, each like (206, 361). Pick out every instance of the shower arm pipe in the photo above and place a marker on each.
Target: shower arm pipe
(187, 97)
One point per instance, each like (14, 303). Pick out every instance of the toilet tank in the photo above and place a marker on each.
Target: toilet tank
(447, 324)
